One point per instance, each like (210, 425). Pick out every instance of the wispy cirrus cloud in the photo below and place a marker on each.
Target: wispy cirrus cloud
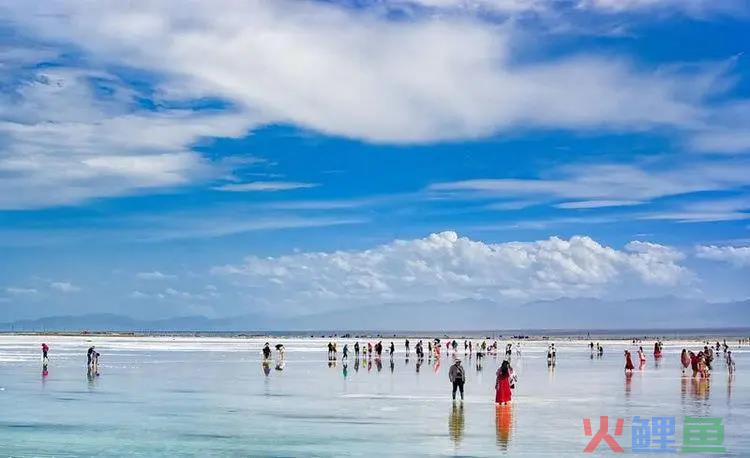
(155, 275)
(265, 186)
(609, 185)
(15, 290)
(64, 287)
(366, 76)
(704, 210)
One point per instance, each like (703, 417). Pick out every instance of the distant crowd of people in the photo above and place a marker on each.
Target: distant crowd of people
(700, 363)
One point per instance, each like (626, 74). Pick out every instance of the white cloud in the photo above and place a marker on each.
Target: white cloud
(511, 8)
(155, 275)
(63, 143)
(738, 256)
(611, 184)
(709, 210)
(75, 134)
(690, 7)
(20, 291)
(597, 204)
(261, 186)
(447, 267)
(366, 76)
(139, 295)
(64, 286)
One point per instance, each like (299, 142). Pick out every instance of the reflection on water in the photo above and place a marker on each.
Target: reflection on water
(700, 388)
(266, 366)
(730, 379)
(628, 384)
(456, 422)
(503, 424)
(205, 397)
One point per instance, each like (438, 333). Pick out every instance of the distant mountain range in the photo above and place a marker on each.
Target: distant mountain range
(655, 313)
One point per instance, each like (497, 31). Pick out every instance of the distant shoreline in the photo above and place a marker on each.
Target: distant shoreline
(529, 334)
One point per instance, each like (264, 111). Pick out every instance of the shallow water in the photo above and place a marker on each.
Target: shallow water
(181, 396)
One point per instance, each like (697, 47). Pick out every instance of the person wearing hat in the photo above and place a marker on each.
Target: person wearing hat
(457, 377)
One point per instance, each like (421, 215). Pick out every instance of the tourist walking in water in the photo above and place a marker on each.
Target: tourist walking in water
(730, 362)
(457, 376)
(280, 349)
(266, 351)
(90, 356)
(503, 383)
(628, 362)
(45, 350)
(693, 363)
(641, 357)
(407, 347)
(392, 349)
(345, 355)
(356, 350)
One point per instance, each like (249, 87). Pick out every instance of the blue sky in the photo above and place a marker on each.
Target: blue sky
(299, 157)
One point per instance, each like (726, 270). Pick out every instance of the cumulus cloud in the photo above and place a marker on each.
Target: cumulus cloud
(64, 286)
(737, 256)
(445, 267)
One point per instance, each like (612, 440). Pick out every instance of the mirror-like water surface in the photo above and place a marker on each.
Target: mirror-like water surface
(171, 396)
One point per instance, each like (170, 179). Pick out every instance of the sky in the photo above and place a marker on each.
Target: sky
(162, 159)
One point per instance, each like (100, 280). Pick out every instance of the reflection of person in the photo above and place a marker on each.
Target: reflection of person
(456, 422)
(503, 424)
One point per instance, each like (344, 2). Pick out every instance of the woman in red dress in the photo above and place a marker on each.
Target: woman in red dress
(502, 383)
(628, 362)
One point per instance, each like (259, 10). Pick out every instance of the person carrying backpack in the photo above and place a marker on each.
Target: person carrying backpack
(457, 377)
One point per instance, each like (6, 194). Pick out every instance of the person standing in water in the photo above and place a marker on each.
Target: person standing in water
(684, 360)
(457, 377)
(392, 349)
(503, 393)
(90, 356)
(407, 347)
(356, 350)
(45, 350)
(628, 362)
(266, 351)
(345, 354)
